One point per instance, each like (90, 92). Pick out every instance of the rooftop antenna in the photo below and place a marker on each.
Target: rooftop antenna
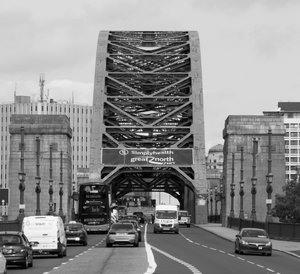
(42, 83)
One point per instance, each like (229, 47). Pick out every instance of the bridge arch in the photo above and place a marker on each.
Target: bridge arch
(148, 124)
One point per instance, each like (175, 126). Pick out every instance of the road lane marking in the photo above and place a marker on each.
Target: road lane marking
(229, 254)
(151, 261)
(193, 269)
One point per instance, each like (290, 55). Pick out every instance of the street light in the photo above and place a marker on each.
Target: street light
(216, 205)
(38, 191)
(50, 197)
(73, 198)
(242, 186)
(211, 202)
(269, 178)
(232, 187)
(254, 179)
(61, 184)
(232, 194)
(21, 176)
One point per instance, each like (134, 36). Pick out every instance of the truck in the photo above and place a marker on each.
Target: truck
(166, 219)
(184, 218)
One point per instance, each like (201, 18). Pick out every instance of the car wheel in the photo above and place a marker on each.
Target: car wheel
(136, 244)
(60, 252)
(108, 245)
(188, 225)
(235, 249)
(26, 263)
(85, 243)
(65, 252)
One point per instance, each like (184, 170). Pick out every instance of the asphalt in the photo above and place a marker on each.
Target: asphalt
(289, 247)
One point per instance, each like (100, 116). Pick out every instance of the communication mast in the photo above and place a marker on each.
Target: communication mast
(42, 84)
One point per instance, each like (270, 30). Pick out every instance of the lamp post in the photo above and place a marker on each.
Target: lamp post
(211, 202)
(216, 205)
(22, 189)
(21, 176)
(269, 178)
(254, 179)
(61, 184)
(232, 187)
(242, 186)
(38, 178)
(73, 201)
(50, 185)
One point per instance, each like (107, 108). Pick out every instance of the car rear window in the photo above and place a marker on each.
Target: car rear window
(10, 239)
(117, 227)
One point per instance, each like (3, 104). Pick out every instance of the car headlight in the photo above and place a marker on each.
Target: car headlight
(244, 242)
(268, 244)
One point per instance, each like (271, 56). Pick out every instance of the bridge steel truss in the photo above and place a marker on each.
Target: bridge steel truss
(148, 95)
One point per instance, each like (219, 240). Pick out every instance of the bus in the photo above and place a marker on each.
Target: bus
(93, 210)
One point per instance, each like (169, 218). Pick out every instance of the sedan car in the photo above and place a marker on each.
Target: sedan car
(122, 233)
(253, 240)
(136, 226)
(76, 233)
(16, 248)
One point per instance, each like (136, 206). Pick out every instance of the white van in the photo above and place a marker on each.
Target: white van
(166, 219)
(49, 232)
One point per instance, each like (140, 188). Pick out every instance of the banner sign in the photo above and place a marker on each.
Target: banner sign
(146, 157)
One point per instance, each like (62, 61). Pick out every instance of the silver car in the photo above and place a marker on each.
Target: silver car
(122, 234)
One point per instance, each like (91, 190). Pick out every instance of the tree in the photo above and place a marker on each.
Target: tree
(287, 206)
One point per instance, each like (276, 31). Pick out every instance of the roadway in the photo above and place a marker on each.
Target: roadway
(194, 250)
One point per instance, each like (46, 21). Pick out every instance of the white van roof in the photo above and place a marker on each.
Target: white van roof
(166, 207)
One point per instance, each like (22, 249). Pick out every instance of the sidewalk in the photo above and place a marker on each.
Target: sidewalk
(292, 248)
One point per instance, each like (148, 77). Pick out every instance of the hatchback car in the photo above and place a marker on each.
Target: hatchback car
(16, 248)
(76, 233)
(136, 226)
(122, 233)
(253, 240)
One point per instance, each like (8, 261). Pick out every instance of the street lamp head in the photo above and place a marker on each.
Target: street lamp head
(269, 178)
(21, 176)
(50, 183)
(241, 184)
(61, 184)
(37, 180)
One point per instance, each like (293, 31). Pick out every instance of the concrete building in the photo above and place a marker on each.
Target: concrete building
(239, 134)
(290, 111)
(80, 118)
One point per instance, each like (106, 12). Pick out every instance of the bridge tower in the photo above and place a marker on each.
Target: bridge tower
(148, 123)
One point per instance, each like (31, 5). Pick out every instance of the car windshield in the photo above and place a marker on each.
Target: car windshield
(121, 227)
(73, 226)
(183, 213)
(10, 240)
(254, 233)
(166, 214)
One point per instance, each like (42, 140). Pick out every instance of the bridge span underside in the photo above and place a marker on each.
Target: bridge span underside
(148, 124)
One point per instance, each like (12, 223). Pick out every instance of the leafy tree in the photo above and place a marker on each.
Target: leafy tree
(287, 206)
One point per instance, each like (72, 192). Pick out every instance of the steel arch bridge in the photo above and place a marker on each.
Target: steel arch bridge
(148, 123)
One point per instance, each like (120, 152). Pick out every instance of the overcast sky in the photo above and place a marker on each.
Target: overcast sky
(250, 49)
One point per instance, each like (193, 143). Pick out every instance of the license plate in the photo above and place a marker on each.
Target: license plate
(121, 234)
(166, 228)
(260, 247)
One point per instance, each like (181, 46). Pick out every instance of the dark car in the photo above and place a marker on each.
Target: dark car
(253, 240)
(122, 234)
(16, 248)
(129, 217)
(136, 226)
(76, 233)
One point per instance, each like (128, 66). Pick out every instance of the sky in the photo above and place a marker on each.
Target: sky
(250, 49)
